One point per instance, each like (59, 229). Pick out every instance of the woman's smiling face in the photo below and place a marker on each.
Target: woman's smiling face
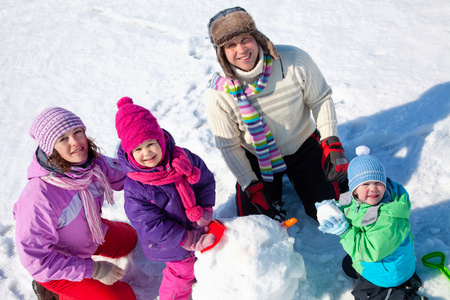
(73, 145)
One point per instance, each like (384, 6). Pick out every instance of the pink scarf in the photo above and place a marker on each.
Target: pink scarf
(90, 207)
(181, 173)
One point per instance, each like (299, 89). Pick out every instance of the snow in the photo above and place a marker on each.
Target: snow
(327, 210)
(387, 61)
(255, 253)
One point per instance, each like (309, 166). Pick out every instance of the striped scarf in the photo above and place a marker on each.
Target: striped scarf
(269, 157)
(90, 207)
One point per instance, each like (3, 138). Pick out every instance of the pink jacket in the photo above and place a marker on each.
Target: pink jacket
(53, 238)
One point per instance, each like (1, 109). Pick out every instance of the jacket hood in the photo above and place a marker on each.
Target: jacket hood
(129, 166)
(35, 170)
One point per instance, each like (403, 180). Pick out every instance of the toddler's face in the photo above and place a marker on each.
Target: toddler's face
(148, 153)
(370, 192)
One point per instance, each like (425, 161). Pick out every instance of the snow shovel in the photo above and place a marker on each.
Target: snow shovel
(440, 265)
(217, 228)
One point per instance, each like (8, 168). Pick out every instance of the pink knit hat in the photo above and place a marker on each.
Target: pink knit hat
(136, 124)
(50, 124)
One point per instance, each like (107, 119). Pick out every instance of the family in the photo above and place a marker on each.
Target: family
(271, 113)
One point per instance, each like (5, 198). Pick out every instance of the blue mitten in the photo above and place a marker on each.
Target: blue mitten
(334, 226)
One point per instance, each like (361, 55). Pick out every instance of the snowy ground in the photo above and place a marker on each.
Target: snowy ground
(387, 61)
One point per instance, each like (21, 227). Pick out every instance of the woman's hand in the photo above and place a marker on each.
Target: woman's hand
(106, 272)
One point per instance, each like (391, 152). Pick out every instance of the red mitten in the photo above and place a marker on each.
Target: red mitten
(255, 191)
(334, 162)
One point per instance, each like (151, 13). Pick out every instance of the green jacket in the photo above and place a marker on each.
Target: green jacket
(379, 238)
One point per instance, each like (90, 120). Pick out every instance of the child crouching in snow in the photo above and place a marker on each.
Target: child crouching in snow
(169, 195)
(373, 222)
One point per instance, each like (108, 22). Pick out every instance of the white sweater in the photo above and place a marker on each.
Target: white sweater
(291, 107)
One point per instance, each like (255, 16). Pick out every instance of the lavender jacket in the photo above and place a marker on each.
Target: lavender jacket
(157, 213)
(53, 238)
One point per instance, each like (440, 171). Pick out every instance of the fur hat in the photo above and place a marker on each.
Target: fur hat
(230, 23)
(365, 168)
(136, 124)
(50, 124)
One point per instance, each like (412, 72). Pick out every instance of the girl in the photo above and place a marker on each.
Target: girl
(58, 223)
(169, 194)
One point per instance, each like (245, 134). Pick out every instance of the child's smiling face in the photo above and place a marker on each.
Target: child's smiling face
(370, 192)
(148, 153)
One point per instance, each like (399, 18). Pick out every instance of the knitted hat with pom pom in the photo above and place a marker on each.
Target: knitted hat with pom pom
(365, 168)
(50, 124)
(136, 124)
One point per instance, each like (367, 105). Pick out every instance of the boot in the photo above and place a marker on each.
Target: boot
(414, 283)
(348, 268)
(42, 293)
(280, 213)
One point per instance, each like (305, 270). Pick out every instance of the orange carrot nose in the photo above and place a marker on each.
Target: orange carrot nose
(289, 223)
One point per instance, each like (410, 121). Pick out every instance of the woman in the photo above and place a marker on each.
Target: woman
(58, 215)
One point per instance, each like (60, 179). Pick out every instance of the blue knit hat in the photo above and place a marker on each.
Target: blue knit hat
(365, 168)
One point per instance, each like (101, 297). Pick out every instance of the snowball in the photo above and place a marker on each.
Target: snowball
(362, 150)
(256, 253)
(326, 210)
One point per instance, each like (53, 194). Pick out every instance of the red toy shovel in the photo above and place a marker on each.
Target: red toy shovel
(217, 228)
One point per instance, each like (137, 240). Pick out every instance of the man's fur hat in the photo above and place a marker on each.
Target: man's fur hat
(230, 23)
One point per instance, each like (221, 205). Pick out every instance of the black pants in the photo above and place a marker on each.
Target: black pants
(304, 170)
(366, 290)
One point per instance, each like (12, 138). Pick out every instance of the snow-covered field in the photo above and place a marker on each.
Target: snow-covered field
(387, 61)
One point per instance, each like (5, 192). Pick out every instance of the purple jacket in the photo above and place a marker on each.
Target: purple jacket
(157, 213)
(53, 238)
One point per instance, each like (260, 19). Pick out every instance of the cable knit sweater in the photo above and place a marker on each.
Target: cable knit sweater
(296, 100)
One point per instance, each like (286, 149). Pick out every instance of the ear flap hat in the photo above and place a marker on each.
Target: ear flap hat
(230, 23)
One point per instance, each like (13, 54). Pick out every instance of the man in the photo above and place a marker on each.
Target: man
(259, 109)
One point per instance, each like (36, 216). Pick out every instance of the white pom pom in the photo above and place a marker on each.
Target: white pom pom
(362, 150)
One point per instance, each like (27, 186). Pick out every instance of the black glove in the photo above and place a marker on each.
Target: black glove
(334, 162)
(255, 191)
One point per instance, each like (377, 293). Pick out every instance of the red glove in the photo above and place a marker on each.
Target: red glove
(255, 191)
(334, 162)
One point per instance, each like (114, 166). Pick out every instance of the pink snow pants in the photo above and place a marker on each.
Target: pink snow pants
(120, 239)
(177, 281)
